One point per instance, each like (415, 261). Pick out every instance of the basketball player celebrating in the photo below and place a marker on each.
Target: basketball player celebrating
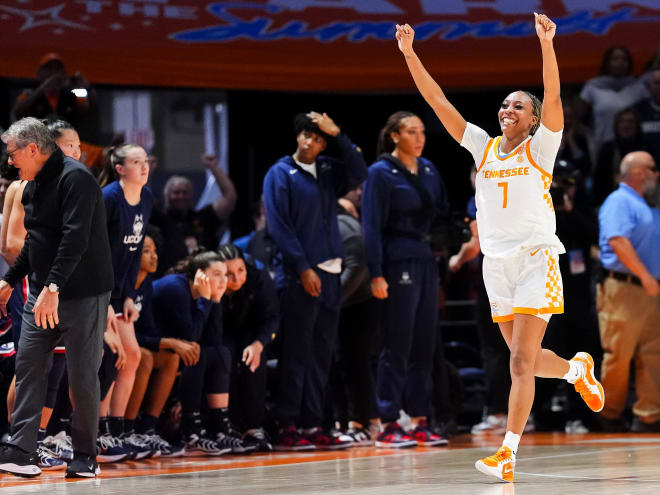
(516, 224)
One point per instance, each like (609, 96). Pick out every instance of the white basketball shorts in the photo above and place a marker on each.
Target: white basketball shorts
(528, 283)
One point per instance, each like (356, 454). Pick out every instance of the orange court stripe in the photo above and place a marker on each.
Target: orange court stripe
(490, 142)
(534, 164)
(502, 319)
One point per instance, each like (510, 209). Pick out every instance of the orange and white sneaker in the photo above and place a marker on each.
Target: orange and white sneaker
(500, 464)
(587, 386)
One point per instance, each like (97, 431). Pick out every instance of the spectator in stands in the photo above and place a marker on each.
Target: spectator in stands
(61, 192)
(628, 307)
(251, 318)
(616, 88)
(159, 362)
(300, 193)
(648, 112)
(628, 137)
(182, 304)
(186, 230)
(59, 96)
(402, 195)
(359, 326)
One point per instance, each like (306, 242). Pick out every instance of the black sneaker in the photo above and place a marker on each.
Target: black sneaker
(14, 460)
(236, 444)
(83, 466)
(259, 438)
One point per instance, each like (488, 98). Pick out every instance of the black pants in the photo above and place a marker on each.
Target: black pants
(495, 357)
(359, 342)
(82, 322)
(307, 340)
(108, 371)
(55, 379)
(209, 376)
(409, 333)
(6, 376)
(247, 392)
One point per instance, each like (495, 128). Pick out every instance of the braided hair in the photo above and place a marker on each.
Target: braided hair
(537, 106)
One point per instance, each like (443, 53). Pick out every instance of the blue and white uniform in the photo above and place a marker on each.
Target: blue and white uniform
(396, 221)
(301, 213)
(126, 228)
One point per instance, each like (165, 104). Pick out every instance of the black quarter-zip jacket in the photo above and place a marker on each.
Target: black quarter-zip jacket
(67, 242)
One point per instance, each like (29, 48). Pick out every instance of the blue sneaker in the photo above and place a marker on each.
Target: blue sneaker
(164, 448)
(48, 461)
(110, 449)
(60, 446)
(136, 444)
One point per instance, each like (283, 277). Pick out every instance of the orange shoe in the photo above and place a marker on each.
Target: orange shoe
(587, 386)
(500, 464)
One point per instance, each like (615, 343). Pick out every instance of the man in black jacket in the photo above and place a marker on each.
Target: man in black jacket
(67, 256)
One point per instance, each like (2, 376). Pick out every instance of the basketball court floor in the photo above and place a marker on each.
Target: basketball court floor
(547, 464)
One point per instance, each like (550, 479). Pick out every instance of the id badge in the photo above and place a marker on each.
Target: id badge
(576, 261)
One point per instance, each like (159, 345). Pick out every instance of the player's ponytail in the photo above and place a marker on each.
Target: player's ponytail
(393, 124)
(537, 107)
(115, 155)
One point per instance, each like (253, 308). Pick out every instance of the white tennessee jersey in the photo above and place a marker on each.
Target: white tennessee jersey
(514, 207)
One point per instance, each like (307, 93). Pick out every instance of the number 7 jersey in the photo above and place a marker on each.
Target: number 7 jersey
(514, 206)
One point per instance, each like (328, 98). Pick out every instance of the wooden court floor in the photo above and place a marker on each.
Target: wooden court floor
(547, 464)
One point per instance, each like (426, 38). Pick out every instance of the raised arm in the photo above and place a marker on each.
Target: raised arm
(224, 205)
(552, 115)
(430, 90)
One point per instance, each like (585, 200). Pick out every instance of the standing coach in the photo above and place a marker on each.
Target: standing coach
(67, 257)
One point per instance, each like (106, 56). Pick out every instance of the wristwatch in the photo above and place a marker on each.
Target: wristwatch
(53, 288)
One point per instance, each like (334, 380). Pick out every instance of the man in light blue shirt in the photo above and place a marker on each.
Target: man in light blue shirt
(628, 301)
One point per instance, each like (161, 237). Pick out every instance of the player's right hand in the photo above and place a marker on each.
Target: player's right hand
(405, 35)
(379, 287)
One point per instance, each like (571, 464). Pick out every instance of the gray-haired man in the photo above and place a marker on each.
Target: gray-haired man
(67, 256)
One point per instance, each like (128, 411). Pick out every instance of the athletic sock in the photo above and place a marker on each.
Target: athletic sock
(511, 440)
(148, 423)
(191, 423)
(574, 371)
(129, 426)
(104, 426)
(116, 424)
(219, 420)
(41, 434)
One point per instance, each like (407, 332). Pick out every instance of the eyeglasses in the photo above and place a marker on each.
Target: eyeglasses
(11, 153)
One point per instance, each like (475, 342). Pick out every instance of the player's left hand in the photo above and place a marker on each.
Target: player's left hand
(545, 28)
(45, 309)
(131, 312)
(325, 123)
(252, 355)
